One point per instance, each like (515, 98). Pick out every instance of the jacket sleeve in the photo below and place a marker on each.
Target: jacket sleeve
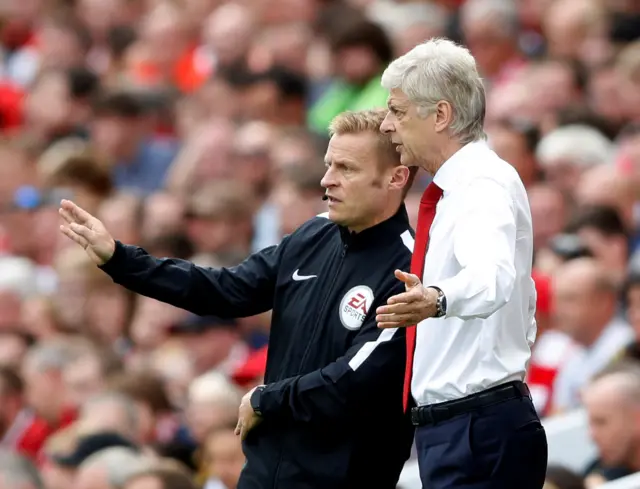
(372, 366)
(240, 291)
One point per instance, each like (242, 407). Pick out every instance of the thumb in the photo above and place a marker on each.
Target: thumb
(409, 279)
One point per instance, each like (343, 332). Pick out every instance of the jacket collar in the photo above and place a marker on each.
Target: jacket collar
(386, 231)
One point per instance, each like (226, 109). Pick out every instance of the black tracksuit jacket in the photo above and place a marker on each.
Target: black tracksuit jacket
(332, 405)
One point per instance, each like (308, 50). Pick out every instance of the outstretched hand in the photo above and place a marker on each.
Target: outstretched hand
(410, 307)
(87, 231)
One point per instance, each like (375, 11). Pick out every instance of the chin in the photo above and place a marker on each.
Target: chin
(334, 216)
(408, 161)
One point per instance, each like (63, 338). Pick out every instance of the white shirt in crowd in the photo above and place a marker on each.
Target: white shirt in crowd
(584, 363)
(480, 254)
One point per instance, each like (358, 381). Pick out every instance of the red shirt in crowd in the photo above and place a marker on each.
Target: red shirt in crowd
(28, 432)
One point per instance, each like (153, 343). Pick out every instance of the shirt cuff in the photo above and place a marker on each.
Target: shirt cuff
(453, 291)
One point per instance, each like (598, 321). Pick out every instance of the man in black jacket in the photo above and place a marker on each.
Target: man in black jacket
(330, 413)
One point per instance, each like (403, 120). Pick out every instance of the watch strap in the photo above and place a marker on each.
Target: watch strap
(441, 302)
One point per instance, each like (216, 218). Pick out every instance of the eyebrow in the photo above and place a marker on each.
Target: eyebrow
(340, 162)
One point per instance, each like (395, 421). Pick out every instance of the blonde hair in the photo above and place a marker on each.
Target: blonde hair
(357, 122)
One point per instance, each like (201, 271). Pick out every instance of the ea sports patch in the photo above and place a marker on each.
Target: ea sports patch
(354, 307)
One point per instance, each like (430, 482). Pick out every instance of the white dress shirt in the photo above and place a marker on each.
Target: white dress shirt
(480, 254)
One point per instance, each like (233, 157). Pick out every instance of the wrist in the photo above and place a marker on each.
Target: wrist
(256, 397)
(441, 302)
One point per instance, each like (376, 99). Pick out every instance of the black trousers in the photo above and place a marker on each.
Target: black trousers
(500, 446)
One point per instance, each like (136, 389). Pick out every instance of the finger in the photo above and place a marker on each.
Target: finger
(79, 214)
(243, 433)
(66, 215)
(408, 297)
(388, 325)
(74, 237)
(238, 429)
(399, 308)
(409, 279)
(397, 318)
(81, 230)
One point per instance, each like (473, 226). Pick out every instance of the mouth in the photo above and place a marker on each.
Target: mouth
(332, 200)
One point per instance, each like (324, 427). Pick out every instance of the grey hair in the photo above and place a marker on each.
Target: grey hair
(118, 401)
(502, 13)
(18, 470)
(52, 355)
(119, 463)
(438, 70)
(580, 144)
(625, 381)
(215, 387)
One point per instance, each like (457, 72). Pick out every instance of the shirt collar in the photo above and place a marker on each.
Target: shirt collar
(448, 174)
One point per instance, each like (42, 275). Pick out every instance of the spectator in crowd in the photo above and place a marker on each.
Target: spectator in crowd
(122, 130)
(612, 400)
(585, 308)
(212, 403)
(110, 468)
(516, 143)
(356, 85)
(568, 151)
(604, 233)
(86, 376)
(45, 394)
(223, 458)
(146, 390)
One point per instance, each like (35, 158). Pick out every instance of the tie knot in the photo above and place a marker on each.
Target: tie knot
(431, 195)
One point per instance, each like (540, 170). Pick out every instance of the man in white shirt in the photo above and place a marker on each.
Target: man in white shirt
(476, 424)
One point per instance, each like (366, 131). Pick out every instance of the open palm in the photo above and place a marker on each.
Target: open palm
(87, 231)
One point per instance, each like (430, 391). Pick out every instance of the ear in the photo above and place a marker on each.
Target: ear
(399, 177)
(443, 116)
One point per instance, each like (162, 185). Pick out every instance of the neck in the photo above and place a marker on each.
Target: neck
(591, 335)
(389, 212)
(450, 147)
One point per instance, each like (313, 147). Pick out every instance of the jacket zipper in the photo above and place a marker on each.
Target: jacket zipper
(311, 341)
(345, 248)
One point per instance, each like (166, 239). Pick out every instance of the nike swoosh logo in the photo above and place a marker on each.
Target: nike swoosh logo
(297, 277)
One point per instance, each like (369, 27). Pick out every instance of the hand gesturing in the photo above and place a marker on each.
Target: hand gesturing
(87, 231)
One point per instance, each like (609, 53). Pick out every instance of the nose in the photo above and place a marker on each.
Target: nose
(387, 126)
(328, 180)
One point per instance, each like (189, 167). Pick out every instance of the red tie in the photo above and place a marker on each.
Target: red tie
(426, 214)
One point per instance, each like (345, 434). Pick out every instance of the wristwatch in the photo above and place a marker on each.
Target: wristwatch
(255, 399)
(441, 303)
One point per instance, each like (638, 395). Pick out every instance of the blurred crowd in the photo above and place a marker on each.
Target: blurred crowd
(197, 129)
